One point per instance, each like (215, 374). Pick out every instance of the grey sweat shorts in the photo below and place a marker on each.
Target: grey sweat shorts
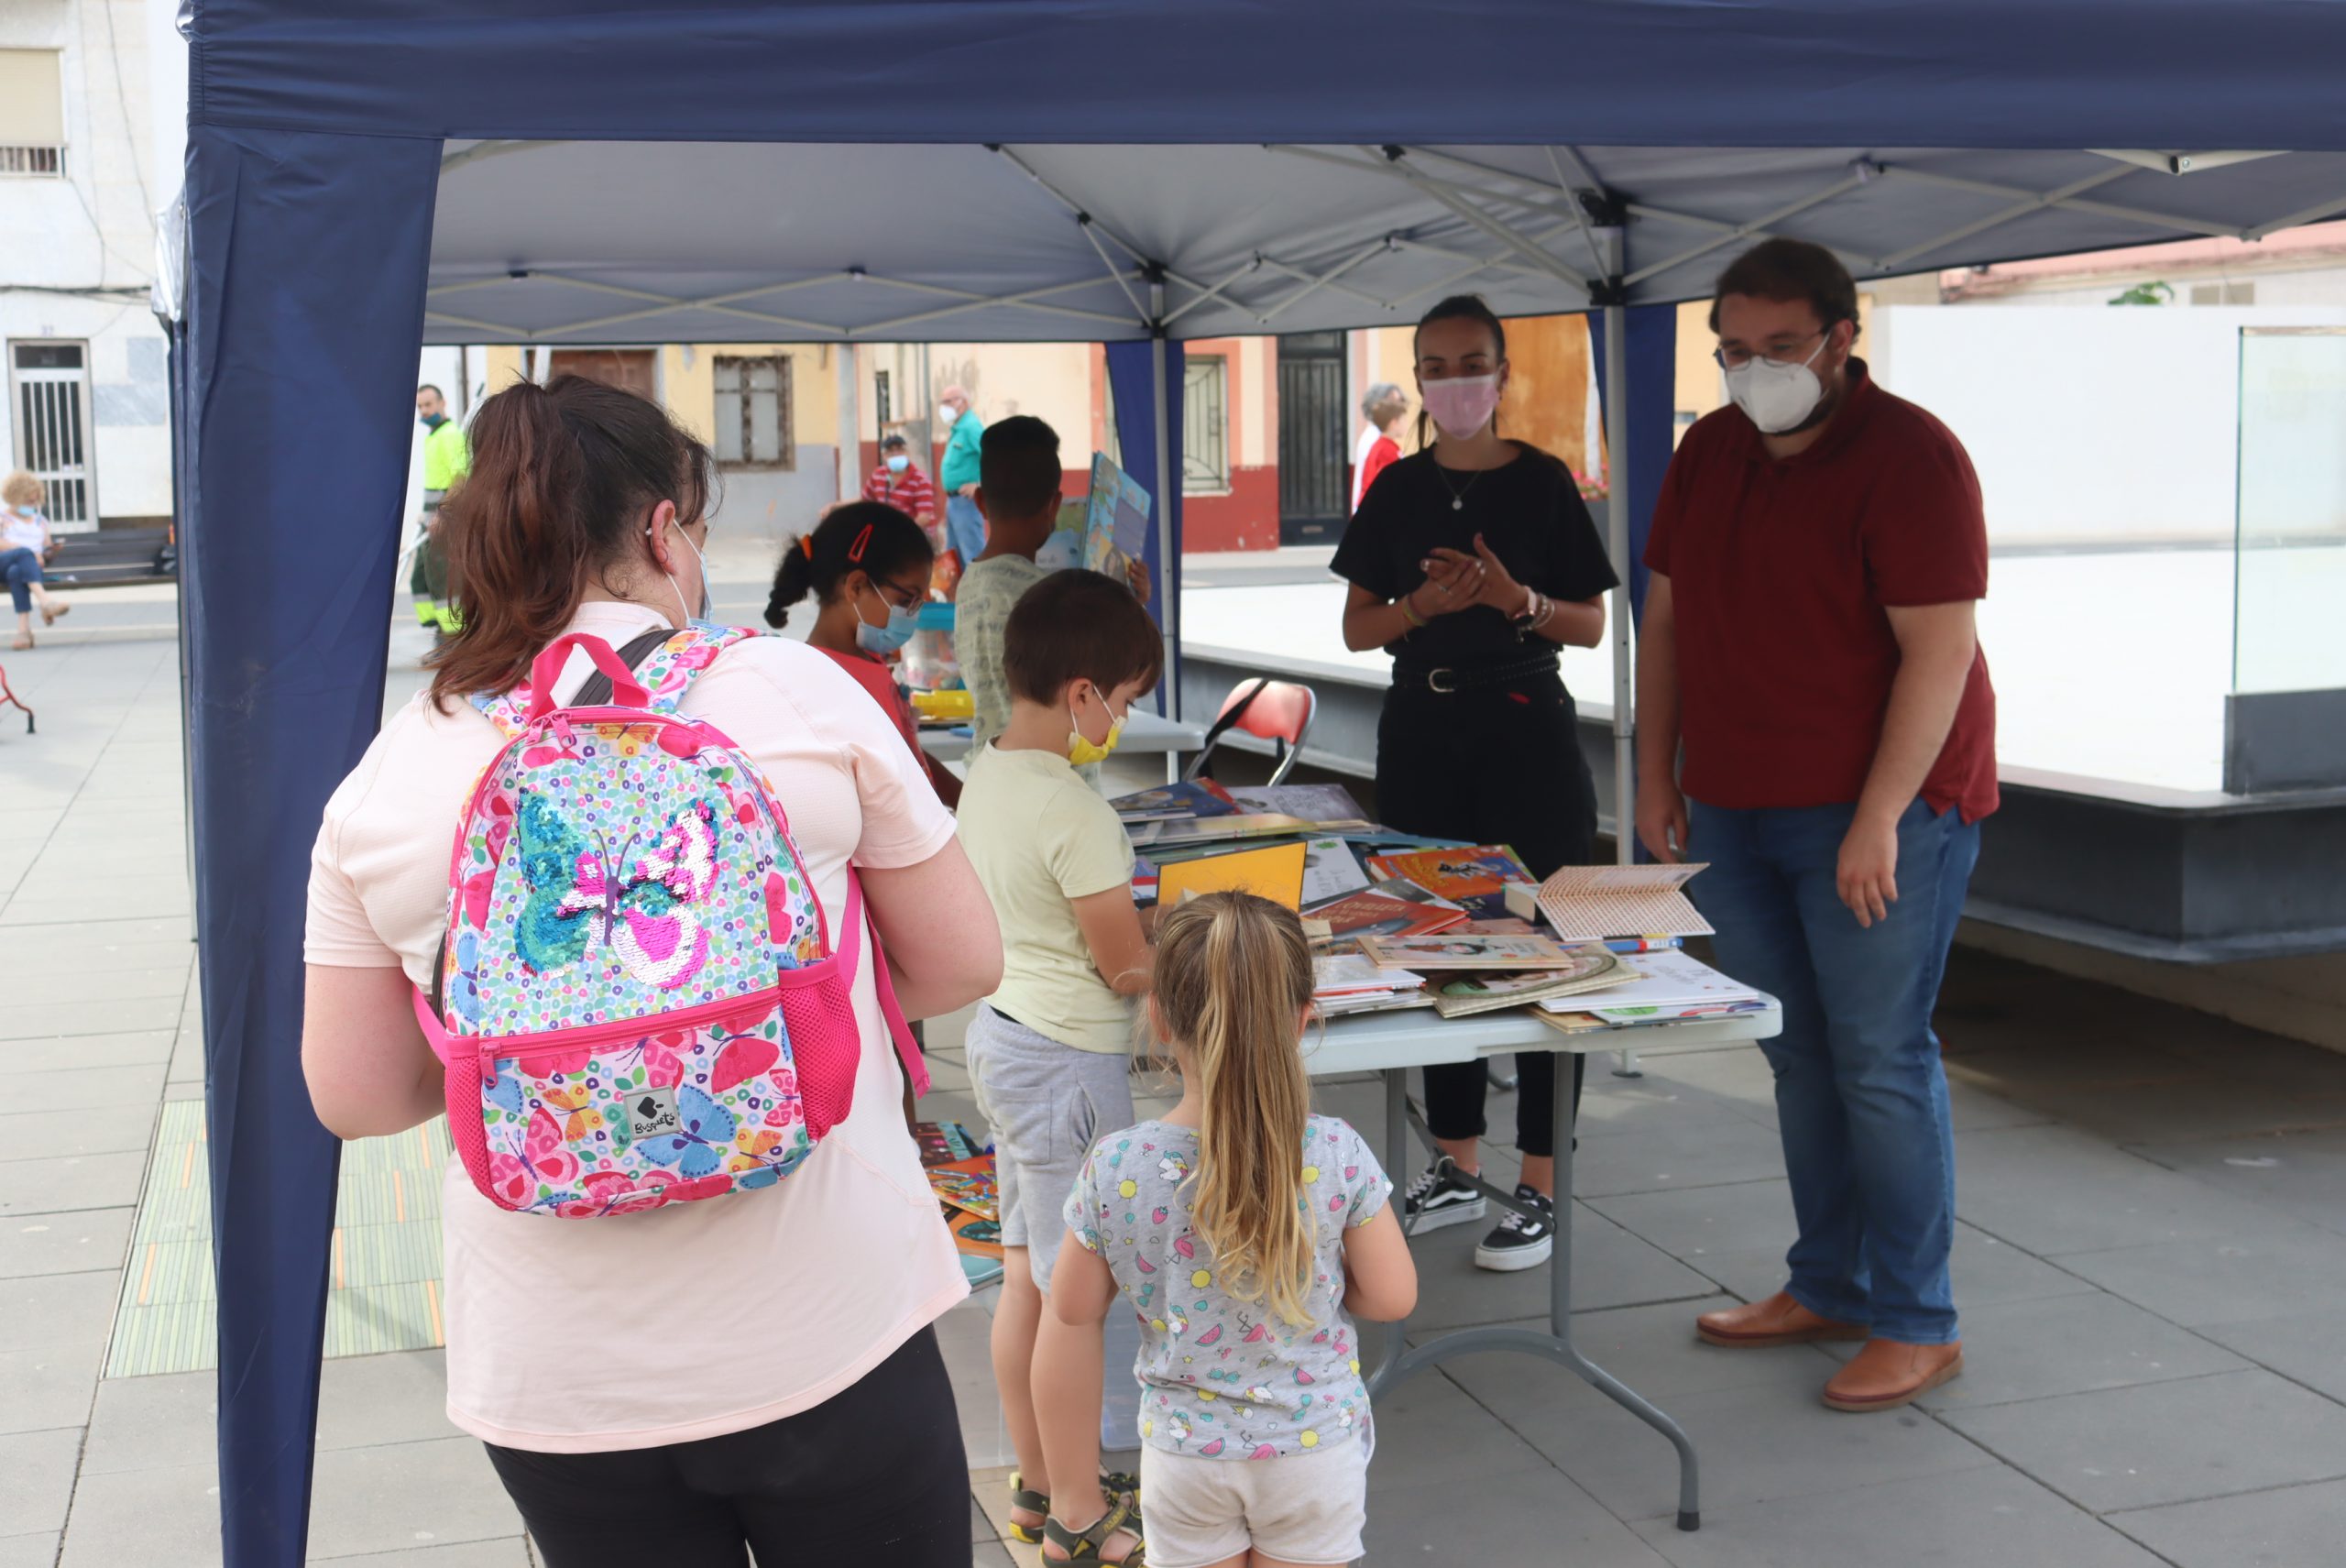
(1046, 1102)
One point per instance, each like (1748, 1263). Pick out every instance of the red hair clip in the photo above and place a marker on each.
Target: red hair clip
(807, 545)
(855, 551)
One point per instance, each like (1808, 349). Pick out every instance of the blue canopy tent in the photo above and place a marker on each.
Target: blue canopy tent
(367, 175)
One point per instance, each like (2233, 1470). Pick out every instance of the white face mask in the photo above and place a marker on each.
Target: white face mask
(1775, 395)
(703, 562)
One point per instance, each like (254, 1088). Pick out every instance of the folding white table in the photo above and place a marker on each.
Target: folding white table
(1389, 1044)
(1143, 732)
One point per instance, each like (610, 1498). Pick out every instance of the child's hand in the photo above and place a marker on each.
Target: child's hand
(1137, 575)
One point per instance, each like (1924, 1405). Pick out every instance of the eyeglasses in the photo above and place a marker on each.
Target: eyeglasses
(1777, 353)
(899, 595)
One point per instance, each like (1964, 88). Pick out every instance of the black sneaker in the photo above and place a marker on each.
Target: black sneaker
(1520, 1243)
(1441, 1196)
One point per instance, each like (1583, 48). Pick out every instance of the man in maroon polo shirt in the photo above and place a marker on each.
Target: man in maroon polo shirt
(1818, 550)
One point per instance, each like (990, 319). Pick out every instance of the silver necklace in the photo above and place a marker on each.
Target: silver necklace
(1457, 496)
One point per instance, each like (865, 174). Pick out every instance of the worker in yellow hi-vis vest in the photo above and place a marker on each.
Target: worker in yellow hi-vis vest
(447, 460)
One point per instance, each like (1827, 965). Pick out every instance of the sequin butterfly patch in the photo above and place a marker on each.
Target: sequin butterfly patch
(636, 903)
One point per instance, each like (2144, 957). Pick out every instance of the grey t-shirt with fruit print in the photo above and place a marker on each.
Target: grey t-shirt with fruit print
(1221, 1378)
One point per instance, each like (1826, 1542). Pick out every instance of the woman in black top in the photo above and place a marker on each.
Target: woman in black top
(1471, 562)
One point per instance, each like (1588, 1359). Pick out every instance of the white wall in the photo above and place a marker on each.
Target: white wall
(93, 231)
(2086, 424)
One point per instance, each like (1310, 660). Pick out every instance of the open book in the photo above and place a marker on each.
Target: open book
(1590, 904)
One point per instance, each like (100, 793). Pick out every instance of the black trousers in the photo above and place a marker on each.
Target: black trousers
(875, 1475)
(1494, 766)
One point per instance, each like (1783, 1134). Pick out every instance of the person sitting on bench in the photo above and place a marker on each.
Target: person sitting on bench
(26, 546)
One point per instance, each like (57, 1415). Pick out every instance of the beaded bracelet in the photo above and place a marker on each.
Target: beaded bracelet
(1417, 622)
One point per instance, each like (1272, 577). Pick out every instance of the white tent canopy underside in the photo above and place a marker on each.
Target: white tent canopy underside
(647, 242)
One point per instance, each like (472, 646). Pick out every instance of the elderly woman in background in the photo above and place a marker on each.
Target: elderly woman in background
(26, 547)
(1385, 406)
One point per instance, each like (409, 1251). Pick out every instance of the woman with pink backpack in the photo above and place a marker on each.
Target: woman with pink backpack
(641, 902)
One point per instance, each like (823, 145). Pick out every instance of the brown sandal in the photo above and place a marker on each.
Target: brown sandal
(24, 641)
(51, 610)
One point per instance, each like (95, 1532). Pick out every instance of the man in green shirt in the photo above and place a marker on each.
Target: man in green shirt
(447, 460)
(965, 525)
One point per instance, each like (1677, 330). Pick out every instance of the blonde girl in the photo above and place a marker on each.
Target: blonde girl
(1246, 1233)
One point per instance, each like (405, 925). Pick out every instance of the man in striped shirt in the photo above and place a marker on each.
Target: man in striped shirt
(898, 482)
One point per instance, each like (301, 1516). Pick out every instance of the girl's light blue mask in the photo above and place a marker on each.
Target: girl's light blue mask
(25, 510)
(885, 639)
(898, 463)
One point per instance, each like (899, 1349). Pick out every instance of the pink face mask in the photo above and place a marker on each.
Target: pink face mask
(1461, 405)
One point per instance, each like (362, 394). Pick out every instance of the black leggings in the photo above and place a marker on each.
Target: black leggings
(874, 1475)
(1499, 765)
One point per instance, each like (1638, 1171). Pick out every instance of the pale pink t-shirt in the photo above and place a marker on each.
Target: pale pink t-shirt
(573, 1336)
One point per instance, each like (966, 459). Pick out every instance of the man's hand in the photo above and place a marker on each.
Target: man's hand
(1867, 877)
(1136, 578)
(1661, 819)
(969, 490)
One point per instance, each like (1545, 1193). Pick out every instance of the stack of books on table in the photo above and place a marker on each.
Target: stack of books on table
(1284, 843)
(1663, 986)
(1346, 983)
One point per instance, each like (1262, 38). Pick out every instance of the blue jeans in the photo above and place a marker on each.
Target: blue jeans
(965, 528)
(1861, 1094)
(21, 567)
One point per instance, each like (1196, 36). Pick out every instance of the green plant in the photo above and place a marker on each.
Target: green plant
(2151, 293)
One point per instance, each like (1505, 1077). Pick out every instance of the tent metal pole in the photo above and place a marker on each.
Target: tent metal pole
(1168, 568)
(1993, 220)
(851, 434)
(1617, 544)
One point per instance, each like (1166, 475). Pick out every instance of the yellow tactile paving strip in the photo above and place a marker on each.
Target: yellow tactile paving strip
(383, 1293)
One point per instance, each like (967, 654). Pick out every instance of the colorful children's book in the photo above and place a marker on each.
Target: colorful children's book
(1476, 877)
(1330, 870)
(1173, 802)
(1275, 872)
(1115, 523)
(944, 1143)
(967, 1185)
(1375, 914)
(1449, 950)
(976, 1235)
(1403, 888)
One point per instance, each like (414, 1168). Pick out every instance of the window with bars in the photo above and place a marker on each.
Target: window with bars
(752, 412)
(1205, 426)
(32, 113)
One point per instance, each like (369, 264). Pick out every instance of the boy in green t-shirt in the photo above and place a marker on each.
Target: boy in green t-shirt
(1049, 1053)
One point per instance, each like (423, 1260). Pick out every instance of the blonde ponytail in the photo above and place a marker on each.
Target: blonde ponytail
(1234, 977)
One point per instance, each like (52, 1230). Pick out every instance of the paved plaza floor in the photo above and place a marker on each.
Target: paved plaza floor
(2151, 1263)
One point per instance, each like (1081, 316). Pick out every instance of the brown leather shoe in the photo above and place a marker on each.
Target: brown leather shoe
(1779, 1320)
(1886, 1375)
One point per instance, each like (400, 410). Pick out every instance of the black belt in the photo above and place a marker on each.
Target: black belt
(1445, 679)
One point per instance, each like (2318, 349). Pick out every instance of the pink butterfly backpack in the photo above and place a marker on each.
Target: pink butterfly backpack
(638, 998)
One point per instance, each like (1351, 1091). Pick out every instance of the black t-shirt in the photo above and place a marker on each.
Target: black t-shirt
(1528, 512)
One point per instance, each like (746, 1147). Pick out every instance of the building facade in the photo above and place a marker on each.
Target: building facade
(91, 96)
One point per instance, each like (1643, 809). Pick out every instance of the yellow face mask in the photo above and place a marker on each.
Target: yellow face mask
(1082, 752)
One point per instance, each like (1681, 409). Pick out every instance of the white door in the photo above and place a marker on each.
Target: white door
(50, 389)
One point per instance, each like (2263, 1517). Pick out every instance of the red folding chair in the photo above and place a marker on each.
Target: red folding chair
(7, 694)
(1277, 712)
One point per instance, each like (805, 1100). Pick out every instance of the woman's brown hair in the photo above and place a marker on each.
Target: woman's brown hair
(563, 483)
(1232, 980)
